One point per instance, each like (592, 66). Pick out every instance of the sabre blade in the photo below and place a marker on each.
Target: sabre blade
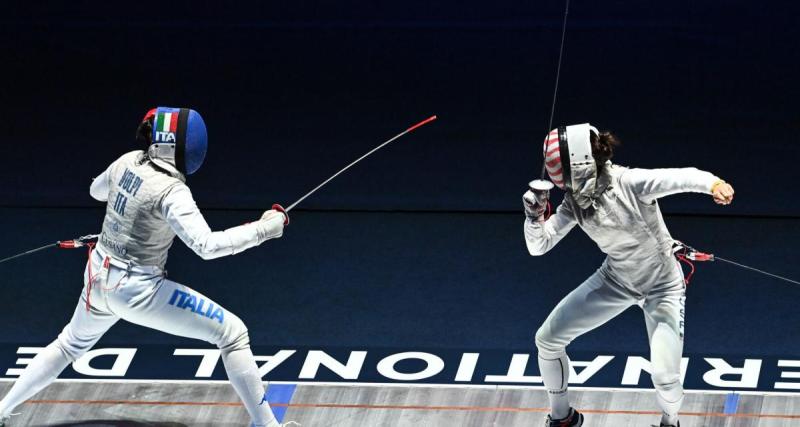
(409, 130)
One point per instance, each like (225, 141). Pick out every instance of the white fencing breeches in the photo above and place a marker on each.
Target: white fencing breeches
(148, 299)
(599, 300)
(145, 297)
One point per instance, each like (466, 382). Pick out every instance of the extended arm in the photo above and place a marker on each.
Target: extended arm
(180, 210)
(541, 236)
(651, 184)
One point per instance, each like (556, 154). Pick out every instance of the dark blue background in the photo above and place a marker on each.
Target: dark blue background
(292, 92)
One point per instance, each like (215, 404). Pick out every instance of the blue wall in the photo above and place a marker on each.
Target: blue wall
(410, 280)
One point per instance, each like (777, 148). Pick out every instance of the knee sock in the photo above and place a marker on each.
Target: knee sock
(245, 379)
(555, 375)
(43, 369)
(670, 402)
(665, 356)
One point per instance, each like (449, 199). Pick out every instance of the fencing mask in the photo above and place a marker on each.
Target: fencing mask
(569, 161)
(178, 138)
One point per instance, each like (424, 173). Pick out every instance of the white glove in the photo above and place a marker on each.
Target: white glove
(281, 209)
(271, 214)
(535, 204)
(270, 226)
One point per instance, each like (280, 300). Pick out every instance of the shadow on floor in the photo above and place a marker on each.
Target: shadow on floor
(114, 423)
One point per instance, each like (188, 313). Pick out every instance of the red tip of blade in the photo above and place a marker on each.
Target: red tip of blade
(428, 120)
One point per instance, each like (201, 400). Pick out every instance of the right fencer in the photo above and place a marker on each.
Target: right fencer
(617, 207)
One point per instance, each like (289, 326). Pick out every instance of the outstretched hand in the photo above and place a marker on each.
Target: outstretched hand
(722, 193)
(281, 209)
(277, 210)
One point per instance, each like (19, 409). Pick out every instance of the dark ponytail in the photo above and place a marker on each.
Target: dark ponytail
(144, 133)
(603, 146)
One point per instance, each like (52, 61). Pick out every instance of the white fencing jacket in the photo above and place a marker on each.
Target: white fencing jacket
(149, 205)
(626, 223)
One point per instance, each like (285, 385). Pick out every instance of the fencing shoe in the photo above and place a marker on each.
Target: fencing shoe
(574, 419)
(5, 418)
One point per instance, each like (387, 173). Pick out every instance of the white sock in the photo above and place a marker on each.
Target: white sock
(555, 375)
(245, 379)
(670, 408)
(43, 369)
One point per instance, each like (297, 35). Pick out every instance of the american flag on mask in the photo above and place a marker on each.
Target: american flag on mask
(552, 159)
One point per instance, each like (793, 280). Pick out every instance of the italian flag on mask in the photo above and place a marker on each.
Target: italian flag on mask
(166, 122)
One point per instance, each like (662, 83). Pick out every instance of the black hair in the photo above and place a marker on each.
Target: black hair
(144, 133)
(603, 146)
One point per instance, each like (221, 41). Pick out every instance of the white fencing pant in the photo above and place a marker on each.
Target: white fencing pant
(599, 300)
(145, 297)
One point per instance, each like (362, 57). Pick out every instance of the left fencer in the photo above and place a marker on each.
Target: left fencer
(148, 204)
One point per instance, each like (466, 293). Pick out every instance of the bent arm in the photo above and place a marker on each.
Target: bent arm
(540, 237)
(183, 216)
(100, 186)
(651, 184)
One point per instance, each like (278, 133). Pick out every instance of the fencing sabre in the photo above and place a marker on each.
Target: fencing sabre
(409, 130)
(542, 185)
